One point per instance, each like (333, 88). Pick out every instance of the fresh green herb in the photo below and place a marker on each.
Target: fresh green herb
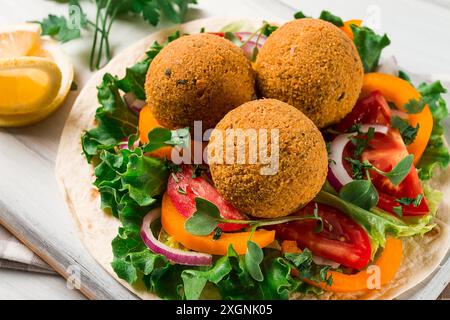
(358, 168)
(355, 128)
(233, 38)
(180, 190)
(403, 75)
(324, 15)
(162, 137)
(369, 46)
(436, 153)
(58, 27)
(217, 234)
(253, 259)
(414, 106)
(407, 131)
(361, 142)
(207, 218)
(198, 171)
(399, 172)
(407, 201)
(299, 15)
(319, 227)
(328, 16)
(361, 193)
(303, 262)
(265, 30)
(398, 210)
(107, 11)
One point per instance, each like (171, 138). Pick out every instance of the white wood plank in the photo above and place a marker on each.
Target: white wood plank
(25, 285)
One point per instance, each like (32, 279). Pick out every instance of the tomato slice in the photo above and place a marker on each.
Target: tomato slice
(372, 109)
(384, 152)
(183, 189)
(341, 240)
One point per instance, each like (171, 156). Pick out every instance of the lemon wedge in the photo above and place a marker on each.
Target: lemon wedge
(51, 50)
(19, 40)
(27, 84)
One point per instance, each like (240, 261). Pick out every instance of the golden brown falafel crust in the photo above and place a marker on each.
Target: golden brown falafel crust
(303, 161)
(312, 65)
(198, 77)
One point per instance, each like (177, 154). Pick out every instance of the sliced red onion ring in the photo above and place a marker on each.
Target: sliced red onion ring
(189, 258)
(246, 35)
(124, 144)
(337, 175)
(133, 103)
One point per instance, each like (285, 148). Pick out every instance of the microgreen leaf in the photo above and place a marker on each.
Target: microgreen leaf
(233, 38)
(328, 16)
(204, 220)
(407, 201)
(361, 193)
(407, 131)
(400, 171)
(253, 258)
(299, 15)
(398, 210)
(358, 168)
(162, 137)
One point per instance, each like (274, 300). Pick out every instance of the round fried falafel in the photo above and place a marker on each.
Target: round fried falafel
(295, 147)
(198, 77)
(312, 65)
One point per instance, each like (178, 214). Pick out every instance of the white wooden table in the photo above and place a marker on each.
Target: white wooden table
(420, 34)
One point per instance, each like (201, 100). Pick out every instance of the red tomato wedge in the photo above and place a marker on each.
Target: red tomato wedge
(341, 240)
(183, 190)
(384, 152)
(372, 109)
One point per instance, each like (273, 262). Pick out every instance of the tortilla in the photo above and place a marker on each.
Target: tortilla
(97, 229)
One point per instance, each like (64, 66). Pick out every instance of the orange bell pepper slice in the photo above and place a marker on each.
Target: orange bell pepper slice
(147, 123)
(173, 223)
(400, 92)
(347, 29)
(387, 265)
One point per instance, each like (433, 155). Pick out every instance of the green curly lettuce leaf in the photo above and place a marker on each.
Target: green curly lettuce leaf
(114, 120)
(436, 153)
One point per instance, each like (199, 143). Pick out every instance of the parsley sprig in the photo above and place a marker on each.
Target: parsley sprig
(107, 12)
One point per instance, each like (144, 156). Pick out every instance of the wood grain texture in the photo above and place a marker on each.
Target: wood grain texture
(30, 204)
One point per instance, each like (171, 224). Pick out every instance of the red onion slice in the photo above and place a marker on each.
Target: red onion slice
(189, 258)
(133, 103)
(337, 175)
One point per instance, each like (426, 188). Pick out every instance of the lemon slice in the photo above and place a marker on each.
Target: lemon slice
(28, 83)
(19, 40)
(51, 50)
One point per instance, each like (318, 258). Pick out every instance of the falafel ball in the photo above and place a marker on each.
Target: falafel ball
(198, 77)
(300, 152)
(314, 66)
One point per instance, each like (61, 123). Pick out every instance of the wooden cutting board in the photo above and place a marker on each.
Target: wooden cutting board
(32, 208)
